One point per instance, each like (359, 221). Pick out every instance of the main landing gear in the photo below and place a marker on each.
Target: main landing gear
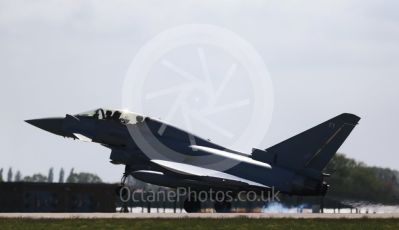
(193, 204)
(222, 206)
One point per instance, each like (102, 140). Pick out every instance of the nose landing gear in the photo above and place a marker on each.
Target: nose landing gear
(122, 193)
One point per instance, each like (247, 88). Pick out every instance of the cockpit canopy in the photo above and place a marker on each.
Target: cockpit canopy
(116, 115)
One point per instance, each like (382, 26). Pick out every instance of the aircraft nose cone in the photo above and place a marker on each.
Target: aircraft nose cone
(52, 125)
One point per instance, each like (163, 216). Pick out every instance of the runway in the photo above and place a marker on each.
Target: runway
(195, 215)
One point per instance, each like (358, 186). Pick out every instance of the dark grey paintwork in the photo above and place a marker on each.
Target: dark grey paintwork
(167, 158)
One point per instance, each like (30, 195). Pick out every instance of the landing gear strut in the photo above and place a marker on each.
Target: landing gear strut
(122, 193)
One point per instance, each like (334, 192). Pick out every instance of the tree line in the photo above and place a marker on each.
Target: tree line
(73, 177)
(355, 181)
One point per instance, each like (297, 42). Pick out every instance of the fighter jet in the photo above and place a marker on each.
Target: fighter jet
(159, 153)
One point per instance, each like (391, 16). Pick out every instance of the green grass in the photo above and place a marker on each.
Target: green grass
(196, 223)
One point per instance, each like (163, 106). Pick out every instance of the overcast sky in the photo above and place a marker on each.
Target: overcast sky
(324, 58)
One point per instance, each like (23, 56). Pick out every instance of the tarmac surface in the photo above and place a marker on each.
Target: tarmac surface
(194, 215)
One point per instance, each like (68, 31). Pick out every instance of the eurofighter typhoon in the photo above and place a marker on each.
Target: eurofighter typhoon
(162, 154)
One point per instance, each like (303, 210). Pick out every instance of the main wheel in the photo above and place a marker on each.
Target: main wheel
(192, 206)
(222, 207)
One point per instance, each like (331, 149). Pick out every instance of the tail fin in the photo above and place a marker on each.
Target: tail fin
(313, 148)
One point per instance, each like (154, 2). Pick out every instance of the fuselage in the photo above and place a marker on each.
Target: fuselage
(138, 141)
